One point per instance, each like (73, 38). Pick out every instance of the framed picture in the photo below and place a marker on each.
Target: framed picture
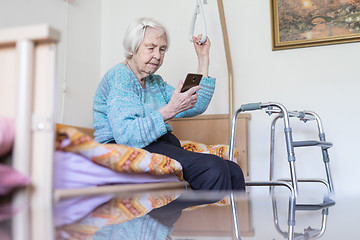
(305, 23)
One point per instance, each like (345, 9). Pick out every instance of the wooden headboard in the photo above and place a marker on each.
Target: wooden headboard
(215, 129)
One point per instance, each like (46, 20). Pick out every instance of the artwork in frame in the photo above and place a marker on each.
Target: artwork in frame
(305, 23)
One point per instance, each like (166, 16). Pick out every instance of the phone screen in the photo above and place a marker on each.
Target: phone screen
(191, 80)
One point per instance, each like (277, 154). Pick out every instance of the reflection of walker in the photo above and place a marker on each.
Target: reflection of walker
(308, 233)
(292, 183)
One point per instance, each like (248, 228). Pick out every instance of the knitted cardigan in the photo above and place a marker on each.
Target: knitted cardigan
(129, 114)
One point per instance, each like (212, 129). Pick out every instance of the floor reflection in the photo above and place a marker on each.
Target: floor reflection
(321, 209)
(182, 215)
(194, 215)
(139, 216)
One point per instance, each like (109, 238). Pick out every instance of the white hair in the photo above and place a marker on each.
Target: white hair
(135, 32)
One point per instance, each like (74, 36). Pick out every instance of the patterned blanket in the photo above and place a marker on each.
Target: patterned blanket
(127, 159)
(117, 157)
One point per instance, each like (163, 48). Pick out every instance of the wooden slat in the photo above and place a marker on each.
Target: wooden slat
(35, 33)
(87, 131)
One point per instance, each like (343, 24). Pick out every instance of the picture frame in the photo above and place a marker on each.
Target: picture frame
(306, 23)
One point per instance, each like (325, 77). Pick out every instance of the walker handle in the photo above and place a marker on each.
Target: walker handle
(250, 107)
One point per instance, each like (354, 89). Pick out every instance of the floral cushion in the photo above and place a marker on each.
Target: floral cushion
(218, 149)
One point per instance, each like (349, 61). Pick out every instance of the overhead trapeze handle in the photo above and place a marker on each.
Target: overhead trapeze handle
(198, 10)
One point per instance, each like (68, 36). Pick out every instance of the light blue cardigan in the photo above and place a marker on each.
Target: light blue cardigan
(144, 227)
(125, 112)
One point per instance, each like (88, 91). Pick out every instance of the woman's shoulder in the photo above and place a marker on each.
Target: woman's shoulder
(118, 75)
(119, 68)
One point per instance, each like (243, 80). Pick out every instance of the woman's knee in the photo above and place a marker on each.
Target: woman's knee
(237, 176)
(217, 165)
(218, 171)
(207, 171)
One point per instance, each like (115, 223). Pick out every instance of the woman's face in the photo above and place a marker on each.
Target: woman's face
(151, 52)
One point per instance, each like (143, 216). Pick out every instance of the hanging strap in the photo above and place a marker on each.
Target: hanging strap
(198, 10)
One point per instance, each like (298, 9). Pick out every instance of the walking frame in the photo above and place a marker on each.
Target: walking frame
(292, 183)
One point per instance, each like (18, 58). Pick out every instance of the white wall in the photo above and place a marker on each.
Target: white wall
(78, 64)
(23, 12)
(82, 61)
(323, 79)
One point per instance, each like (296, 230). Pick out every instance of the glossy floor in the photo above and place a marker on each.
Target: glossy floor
(181, 215)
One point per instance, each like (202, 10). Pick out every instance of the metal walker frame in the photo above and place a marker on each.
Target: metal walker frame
(292, 183)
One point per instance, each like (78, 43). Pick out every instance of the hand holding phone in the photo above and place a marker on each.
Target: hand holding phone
(191, 80)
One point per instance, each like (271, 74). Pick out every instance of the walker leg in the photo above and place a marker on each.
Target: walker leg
(232, 197)
(325, 153)
(235, 217)
(291, 218)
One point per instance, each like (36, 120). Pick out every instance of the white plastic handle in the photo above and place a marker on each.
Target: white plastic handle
(198, 10)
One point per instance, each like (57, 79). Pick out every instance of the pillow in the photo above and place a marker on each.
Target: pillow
(11, 179)
(218, 149)
(7, 133)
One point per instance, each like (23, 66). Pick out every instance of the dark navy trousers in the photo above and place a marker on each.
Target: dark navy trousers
(201, 171)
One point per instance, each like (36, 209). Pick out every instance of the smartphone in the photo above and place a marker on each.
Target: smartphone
(191, 80)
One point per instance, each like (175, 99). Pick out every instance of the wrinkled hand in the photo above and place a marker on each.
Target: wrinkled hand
(202, 49)
(179, 102)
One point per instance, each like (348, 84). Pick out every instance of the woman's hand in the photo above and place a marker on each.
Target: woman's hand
(202, 50)
(179, 102)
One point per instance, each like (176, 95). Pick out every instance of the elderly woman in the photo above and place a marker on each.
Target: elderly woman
(132, 106)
